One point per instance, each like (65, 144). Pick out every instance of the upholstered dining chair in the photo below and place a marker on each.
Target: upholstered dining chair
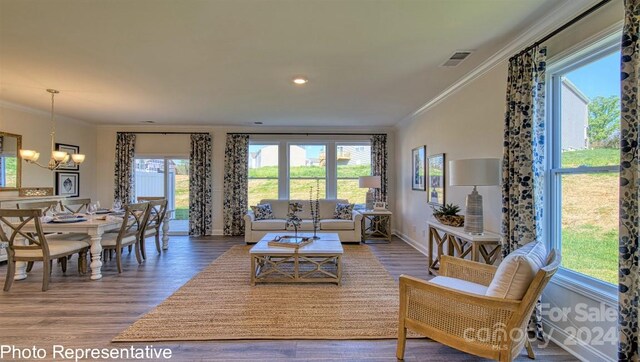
(75, 206)
(37, 246)
(478, 308)
(134, 219)
(49, 208)
(154, 223)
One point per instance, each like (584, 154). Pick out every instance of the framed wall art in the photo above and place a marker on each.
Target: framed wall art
(70, 149)
(436, 179)
(68, 184)
(418, 180)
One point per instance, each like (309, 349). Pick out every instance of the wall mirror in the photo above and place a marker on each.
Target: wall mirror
(10, 163)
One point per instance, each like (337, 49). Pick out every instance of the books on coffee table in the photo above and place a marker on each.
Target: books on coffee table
(289, 241)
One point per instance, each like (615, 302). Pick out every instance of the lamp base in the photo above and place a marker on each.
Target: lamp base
(369, 200)
(473, 220)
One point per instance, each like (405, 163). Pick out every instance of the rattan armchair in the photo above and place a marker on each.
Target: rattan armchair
(454, 318)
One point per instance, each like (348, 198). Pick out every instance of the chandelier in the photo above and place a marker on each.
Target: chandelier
(58, 158)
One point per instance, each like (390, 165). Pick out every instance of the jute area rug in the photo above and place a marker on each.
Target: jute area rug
(220, 304)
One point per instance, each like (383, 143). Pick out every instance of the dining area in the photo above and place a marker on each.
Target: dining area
(55, 231)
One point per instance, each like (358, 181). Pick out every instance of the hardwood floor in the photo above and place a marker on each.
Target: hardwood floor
(77, 312)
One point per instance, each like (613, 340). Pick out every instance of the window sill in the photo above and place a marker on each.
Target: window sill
(586, 286)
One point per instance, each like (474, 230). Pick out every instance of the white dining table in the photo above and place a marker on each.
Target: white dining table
(94, 227)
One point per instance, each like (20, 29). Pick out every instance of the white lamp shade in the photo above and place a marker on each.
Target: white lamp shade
(77, 157)
(27, 154)
(58, 155)
(474, 172)
(370, 182)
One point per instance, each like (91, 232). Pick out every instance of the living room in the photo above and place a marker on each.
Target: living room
(320, 79)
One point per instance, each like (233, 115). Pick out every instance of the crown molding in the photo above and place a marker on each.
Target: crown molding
(41, 113)
(559, 16)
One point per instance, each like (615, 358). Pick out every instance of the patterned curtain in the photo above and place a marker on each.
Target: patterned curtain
(629, 277)
(236, 171)
(200, 185)
(379, 164)
(125, 180)
(523, 156)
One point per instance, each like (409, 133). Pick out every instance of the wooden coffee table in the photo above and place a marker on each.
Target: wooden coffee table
(317, 262)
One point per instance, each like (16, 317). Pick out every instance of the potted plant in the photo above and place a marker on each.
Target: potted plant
(448, 215)
(292, 217)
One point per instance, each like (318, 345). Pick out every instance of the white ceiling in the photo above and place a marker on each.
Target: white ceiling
(370, 63)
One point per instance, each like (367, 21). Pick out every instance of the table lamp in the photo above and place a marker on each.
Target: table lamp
(474, 172)
(370, 182)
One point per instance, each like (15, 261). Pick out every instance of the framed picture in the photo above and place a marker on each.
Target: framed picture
(418, 168)
(379, 205)
(70, 149)
(68, 184)
(436, 179)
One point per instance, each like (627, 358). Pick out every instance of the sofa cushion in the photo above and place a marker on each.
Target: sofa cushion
(270, 224)
(305, 225)
(336, 224)
(459, 284)
(343, 211)
(280, 208)
(262, 211)
(328, 207)
(517, 270)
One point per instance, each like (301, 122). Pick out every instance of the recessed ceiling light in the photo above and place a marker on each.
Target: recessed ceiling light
(150, 122)
(258, 122)
(300, 80)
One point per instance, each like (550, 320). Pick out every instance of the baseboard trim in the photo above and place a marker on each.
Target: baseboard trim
(580, 350)
(414, 244)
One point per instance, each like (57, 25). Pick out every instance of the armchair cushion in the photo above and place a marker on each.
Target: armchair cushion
(262, 211)
(517, 270)
(459, 284)
(343, 211)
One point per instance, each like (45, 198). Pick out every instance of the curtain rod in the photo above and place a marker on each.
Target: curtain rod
(563, 27)
(167, 132)
(307, 134)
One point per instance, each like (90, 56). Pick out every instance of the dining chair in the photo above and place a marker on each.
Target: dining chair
(134, 219)
(37, 246)
(75, 206)
(49, 208)
(154, 223)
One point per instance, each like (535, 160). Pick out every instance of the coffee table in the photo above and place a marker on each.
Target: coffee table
(317, 262)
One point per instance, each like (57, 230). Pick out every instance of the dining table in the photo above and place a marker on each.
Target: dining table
(94, 226)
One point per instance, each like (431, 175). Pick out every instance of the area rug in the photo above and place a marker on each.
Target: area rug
(220, 304)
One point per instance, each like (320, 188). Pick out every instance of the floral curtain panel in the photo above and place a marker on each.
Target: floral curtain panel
(629, 278)
(523, 155)
(200, 203)
(124, 190)
(379, 164)
(236, 171)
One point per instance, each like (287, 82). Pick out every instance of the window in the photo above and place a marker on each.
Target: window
(307, 168)
(352, 161)
(263, 172)
(585, 156)
(152, 180)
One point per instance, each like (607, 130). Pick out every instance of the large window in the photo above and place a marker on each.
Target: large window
(307, 169)
(584, 161)
(352, 160)
(263, 172)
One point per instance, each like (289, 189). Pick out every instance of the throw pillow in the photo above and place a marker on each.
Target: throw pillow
(262, 212)
(343, 211)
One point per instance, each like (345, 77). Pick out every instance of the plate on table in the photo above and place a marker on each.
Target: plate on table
(67, 220)
(103, 211)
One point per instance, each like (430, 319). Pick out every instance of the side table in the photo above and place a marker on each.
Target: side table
(376, 225)
(460, 244)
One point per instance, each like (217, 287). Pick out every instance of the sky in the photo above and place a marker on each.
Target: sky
(600, 78)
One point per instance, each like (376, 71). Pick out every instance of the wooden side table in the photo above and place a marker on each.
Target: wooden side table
(460, 244)
(378, 227)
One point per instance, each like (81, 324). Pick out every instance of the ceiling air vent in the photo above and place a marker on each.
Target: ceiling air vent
(456, 58)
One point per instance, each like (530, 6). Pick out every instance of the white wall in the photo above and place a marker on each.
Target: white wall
(469, 124)
(35, 128)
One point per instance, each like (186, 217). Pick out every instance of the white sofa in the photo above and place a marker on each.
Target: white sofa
(348, 230)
